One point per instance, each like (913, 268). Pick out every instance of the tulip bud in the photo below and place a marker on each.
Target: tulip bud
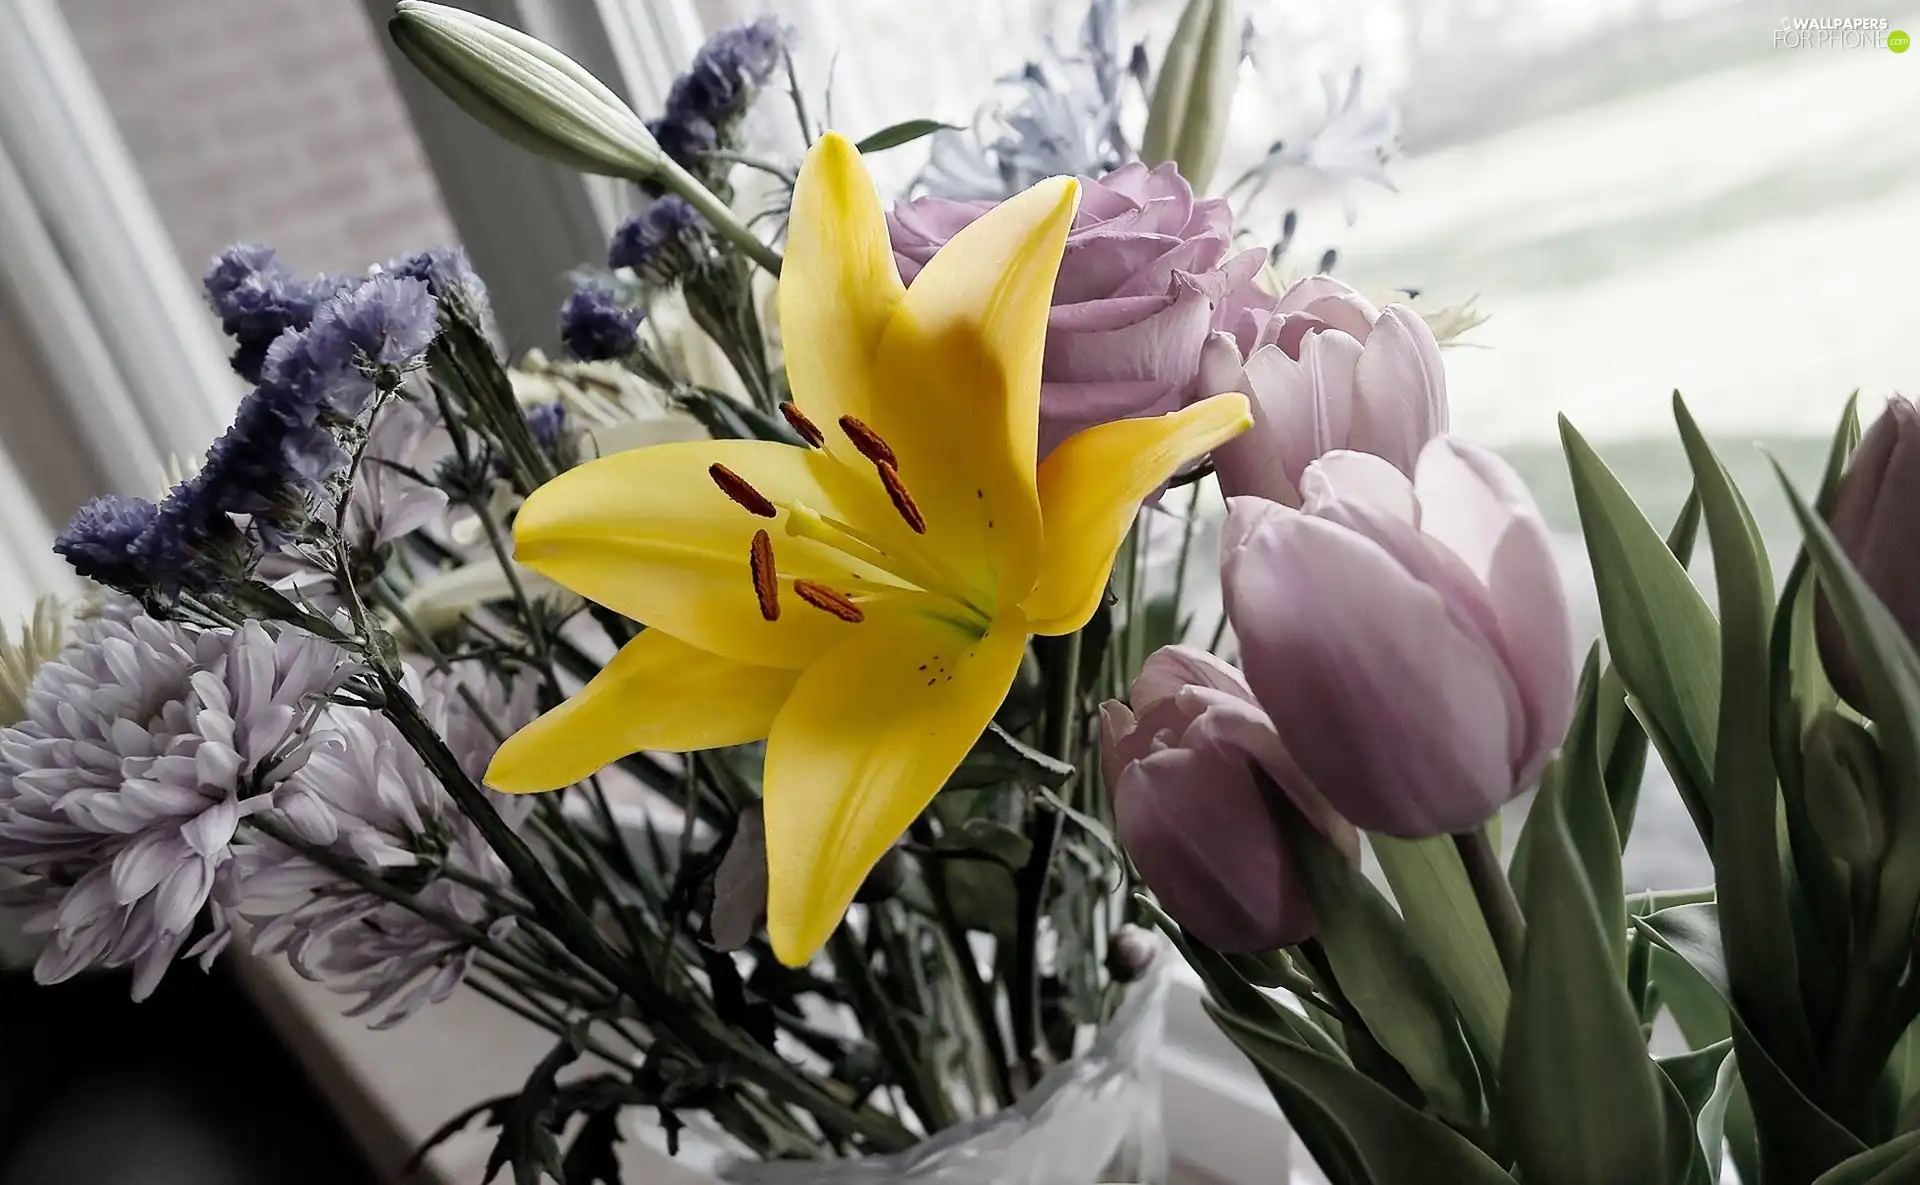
(1194, 815)
(1874, 518)
(1130, 953)
(1843, 790)
(1187, 121)
(524, 89)
(1409, 640)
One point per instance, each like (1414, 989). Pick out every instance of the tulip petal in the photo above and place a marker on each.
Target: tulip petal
(1389, 707)
(959, 373)
(1205, 840)
(1092, 486)
(838, 286)
(649, 534)
(657, 693)
(1476, 505)
(1347, 476)
(870, 733)
(1399, 389)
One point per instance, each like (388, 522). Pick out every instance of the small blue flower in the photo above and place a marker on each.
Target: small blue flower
(386, 322)
(447, 272)
(684, 139)
(596, 326)
(730, 67)
(100, 540)
(549, 424)
(661, 242)
(258, 298)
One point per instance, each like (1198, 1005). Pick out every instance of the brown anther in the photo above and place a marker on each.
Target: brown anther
(735, 487)
(902, 501)
(766, 585)
(805, 428)
(828, 600)
(868, 442)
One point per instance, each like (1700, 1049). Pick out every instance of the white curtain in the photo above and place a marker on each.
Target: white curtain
(104, 331)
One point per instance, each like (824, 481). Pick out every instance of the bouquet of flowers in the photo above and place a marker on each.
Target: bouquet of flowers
(814, 743)
(735, 721)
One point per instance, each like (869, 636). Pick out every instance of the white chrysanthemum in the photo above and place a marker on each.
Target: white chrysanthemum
(366, 796)
(142, 749)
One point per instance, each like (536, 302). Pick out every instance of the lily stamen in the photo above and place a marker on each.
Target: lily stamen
(741, 491)
(902, 501)
(805, 428)
(766, 584)
(828, 600)
(868, 442)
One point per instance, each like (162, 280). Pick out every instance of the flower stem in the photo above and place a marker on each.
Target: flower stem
(717, 214)
(979, 990)
(1494, 892)
(1031, 883)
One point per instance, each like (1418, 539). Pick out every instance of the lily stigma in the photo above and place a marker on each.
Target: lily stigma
(862, 601)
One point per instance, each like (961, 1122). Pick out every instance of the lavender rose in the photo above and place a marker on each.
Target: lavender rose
(1145, 270)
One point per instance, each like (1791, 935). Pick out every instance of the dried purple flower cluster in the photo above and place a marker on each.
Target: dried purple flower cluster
(662, 243)
(708, 100)
(282, 451)
(595, 325)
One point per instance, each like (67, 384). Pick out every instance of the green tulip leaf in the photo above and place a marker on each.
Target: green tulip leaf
(1581, 1103)
(1890, 674)
(1389, 1140)
(1703, 1082)
(1801, 1139)
(1385, 978)
(1444, 921)
(1659, 631)
(1701, 1014)
(1622, 739)
(1756, 930)
(1896, 1162)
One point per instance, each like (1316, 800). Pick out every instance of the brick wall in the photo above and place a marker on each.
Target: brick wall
(269, 120)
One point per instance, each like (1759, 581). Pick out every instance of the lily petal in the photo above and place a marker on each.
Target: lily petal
(870, 733)
(657, 693)
(838, 286)
(1092, 486)
(648, 533)
(959, 374)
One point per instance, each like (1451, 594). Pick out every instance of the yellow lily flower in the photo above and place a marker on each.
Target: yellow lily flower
(862, 603)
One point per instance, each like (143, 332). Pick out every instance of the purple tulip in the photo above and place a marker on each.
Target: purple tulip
(1873, 519)
(1409, 639)
(1145, 270)
(1190, 811)
(1325, 370)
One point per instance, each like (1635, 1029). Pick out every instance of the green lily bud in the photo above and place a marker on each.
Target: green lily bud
(1843, 790)
(524, 89)
(539, 98)
(1187, 122)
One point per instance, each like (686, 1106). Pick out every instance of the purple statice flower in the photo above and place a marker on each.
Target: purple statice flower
(366, 796)
(386, 322)
(718, 87)
(549, 424)
(100, 541)
(732, 65)
(143, 749)
(258, 298)
(596, 326)
(447, 273)
(661, 242)
(686, 139)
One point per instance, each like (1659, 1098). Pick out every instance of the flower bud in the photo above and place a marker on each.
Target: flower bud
(1130, 953)
(1843, 790)
(524, 89)
(1873, 517)
(1187, 121)
(1408, 639)
(1194, 815)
